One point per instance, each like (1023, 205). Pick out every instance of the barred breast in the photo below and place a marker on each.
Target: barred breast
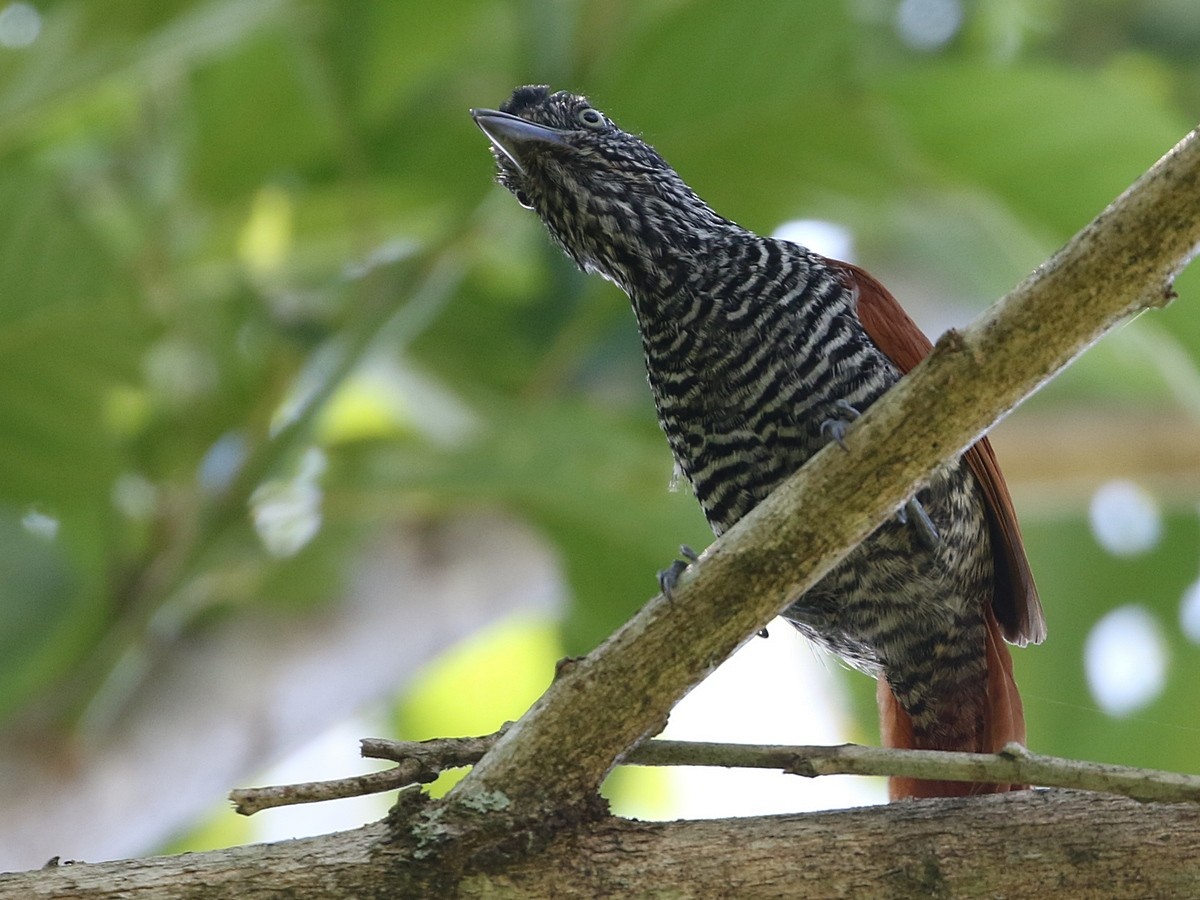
(746, 362)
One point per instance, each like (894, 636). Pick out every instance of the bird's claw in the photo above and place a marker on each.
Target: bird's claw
(669, 577)
(834, 427)
(927, 532)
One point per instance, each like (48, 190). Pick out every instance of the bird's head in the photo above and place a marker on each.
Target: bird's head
(606, 195)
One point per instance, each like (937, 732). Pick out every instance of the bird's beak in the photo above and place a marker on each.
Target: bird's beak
(507, 131)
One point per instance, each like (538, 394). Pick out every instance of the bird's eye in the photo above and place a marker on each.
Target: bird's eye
(523, 199)
(591, 118)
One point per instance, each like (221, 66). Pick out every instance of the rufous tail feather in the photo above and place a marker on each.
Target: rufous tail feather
(1003, 721)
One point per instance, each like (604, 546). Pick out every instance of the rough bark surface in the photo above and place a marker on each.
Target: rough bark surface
(1029, 844)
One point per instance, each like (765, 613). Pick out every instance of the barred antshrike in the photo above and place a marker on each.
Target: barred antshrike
(759, 352)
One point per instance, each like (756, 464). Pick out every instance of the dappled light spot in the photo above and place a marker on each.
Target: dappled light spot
(39, 524)
(134, 496)
(1125, 658)
(826, 238)
(287, 512)
(180, 370)
(1189, 612)
(386, 397)
(20, 25)
(223, 461)
(1125, 519)
(266, 237)
(363, 408)
(385, 254)
(928, 24)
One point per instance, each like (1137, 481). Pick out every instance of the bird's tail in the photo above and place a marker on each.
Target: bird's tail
(1002, 721)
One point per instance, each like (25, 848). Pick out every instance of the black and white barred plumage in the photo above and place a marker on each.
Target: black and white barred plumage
(752, 345)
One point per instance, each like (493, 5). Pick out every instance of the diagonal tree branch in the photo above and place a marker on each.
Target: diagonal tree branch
(556, 756)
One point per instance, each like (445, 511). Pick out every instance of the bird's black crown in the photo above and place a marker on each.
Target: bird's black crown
(606, 196)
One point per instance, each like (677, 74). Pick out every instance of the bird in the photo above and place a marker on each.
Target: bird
(758, 353)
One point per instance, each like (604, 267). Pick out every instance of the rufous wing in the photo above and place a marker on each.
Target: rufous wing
(1015, 613)
(1015, 601)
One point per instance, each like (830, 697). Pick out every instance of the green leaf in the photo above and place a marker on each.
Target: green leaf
(1056, 144)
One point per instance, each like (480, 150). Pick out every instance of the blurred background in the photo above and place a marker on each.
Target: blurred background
(307, 433)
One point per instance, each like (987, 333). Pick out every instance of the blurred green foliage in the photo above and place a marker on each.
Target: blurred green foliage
(233, 232)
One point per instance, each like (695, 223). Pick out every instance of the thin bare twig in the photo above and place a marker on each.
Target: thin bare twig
(248, 801)
(421, 762)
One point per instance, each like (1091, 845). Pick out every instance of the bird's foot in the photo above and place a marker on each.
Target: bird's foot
(669, 577)
(927, 534)
(834, 427)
